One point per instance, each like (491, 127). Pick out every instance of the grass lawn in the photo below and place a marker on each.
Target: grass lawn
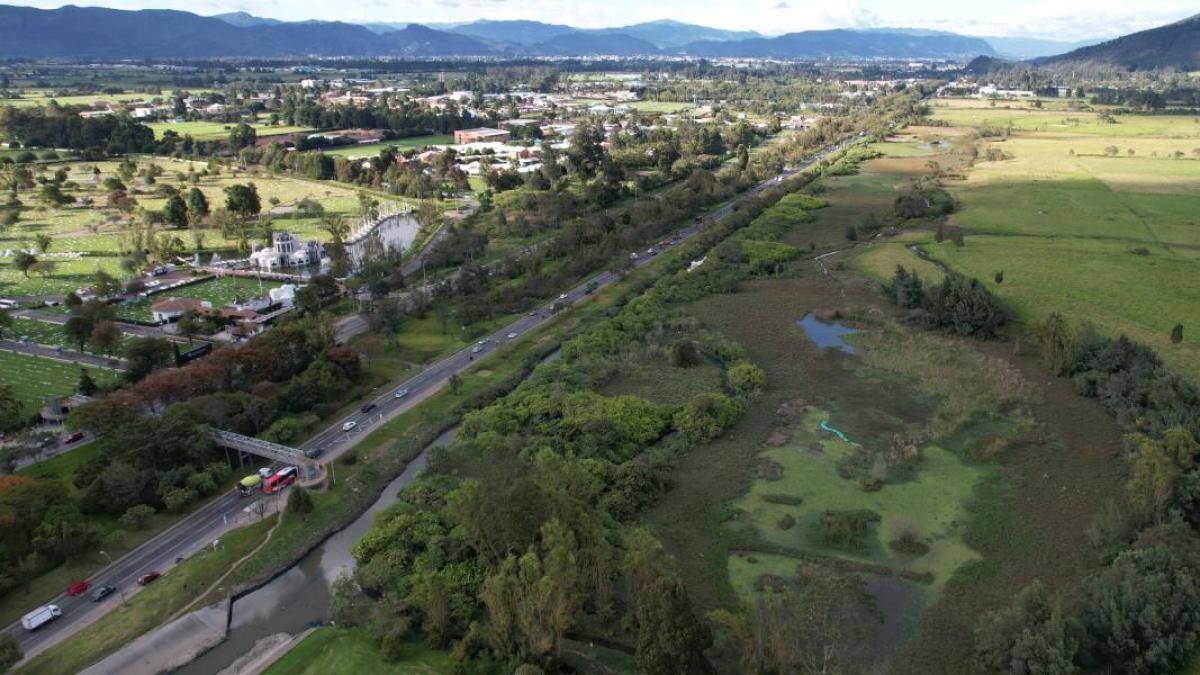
(372, 149)
(34, 378)
(210, 131)
(342, 651)
(220, 292)
(50, 334)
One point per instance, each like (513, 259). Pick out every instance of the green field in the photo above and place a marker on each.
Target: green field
(220, 292)
(44, 333)
(1114, 240)
(35, 97)
(372, 149)
(342, 651)
(211, 131)
(88, 238)
(34, 378)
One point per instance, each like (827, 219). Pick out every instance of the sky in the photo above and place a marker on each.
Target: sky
(1051, 19)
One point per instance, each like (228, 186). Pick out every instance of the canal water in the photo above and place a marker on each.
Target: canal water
(300, 597)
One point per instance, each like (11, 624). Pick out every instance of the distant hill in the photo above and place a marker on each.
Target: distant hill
(595, 44)
(94, 32)
(669, 35)
(518, 32)
(245, 19)
(1031, 48)
(1175, 45)
(852, 44)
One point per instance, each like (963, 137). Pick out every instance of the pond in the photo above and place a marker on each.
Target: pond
(826, 334)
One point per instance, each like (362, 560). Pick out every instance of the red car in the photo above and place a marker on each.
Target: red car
(78, 588)
(148, 578)
(73, 437)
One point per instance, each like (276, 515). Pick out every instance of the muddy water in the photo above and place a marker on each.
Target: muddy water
(300, 597)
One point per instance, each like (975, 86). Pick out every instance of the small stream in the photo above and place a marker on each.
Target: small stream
(300, 597)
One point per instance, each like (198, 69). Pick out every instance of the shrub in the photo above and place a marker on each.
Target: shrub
(299, 502)
(747, 379)
(178, 499)
(787, 522)
(136, 517)
(789, 500)
(846, 530)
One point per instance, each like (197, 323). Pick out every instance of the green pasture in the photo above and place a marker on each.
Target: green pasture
(372, 149)
(211, 131)
(344, 651)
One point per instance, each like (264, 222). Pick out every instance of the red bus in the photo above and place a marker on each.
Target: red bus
(279, 480)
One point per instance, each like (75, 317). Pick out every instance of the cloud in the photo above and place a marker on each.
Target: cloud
(781, 5)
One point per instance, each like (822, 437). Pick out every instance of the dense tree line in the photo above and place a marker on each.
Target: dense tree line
(958, 304)
(95, 137)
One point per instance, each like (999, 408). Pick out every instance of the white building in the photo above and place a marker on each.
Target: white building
(287, 251)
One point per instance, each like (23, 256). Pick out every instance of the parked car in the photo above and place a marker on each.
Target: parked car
(148, 578)
(73, 437)
(367, 407)
(401, 394)
(78, 588)
(349, 425)
(102, 592)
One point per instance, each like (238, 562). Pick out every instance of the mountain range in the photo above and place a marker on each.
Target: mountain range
(1175, 45)
(99, 33)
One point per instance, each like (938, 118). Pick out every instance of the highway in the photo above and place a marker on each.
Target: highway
(200, 528)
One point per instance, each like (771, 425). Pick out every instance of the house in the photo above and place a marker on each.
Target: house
(287, 251)
(89, 114)
(480, 135)
(170, 309)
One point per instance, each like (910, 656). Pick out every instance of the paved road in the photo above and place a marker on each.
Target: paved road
(63, 354)
(199, 528)
(125, 328)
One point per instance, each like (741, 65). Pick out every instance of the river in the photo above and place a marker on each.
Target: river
(300, 597)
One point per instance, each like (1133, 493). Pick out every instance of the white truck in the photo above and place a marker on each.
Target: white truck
(42, 615)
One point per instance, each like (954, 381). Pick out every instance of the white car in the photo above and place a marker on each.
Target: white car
(476, 349)
(401, 394)
(349, 425)
(512, 336)
(562, 296)
(265, 472)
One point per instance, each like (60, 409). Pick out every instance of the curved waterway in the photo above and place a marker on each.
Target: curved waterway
(299, 597)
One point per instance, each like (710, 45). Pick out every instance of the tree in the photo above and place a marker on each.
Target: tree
(243, 200)
(1143, 613)
(86, 386)
(12, 415)
(197, 205)
(241, 136)
(24, 261)
(10, 652)
(136, 516)
(670, 637)
(6, 321)
(455, 384)
(106, 337)
(43, 241)
(1177, 334)
(175, 212)
(78, 329)
(1028, 638)
(145, 355)
(299, 502)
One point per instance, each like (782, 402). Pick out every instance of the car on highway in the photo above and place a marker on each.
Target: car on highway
(148, 578)
(476, 349)
(349, 425)
(313, 453)
(102, 592)
(264, 472)
(72, 437)
(400, 394)
(368, 407)
(512, 336)
(562, 296)
(78, 588)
